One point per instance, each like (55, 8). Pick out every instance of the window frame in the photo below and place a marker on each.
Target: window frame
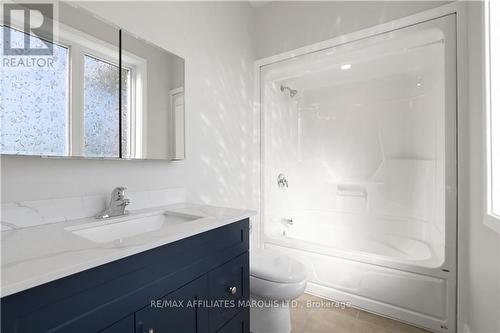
(80, 44)
(491, 219)
(137, 102)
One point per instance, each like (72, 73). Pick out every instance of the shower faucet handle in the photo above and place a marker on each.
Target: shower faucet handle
(282, 181)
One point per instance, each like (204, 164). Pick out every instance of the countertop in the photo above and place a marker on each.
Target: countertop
(37, 255)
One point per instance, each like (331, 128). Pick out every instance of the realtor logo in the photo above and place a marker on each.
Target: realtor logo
(36, 20)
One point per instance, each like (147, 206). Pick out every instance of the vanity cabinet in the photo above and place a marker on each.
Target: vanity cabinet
(228, 287)
(239, 324)
(180, 316)
(199, 284)
(125, 325)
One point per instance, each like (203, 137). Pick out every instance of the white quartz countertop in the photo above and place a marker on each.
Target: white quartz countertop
(40, 254)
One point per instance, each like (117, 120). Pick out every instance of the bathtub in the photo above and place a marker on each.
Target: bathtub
(381, 266)
(388, 239)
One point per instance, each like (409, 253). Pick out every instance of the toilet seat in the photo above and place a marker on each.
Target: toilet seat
(275, 276)
(276, 267)
(268, 290)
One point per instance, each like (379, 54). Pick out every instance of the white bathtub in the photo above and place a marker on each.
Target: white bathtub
(373, 265)
(394, 240)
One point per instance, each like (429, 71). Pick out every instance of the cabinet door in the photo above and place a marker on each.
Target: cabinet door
(229, 284)
(126, 325)
(239, 324)
(176, 312)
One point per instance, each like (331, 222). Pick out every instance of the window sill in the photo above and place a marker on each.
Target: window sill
(492, 222)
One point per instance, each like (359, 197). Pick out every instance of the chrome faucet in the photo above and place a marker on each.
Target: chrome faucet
(282, 181)
(116, 205)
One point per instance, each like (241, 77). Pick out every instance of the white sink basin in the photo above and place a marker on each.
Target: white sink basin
(105, 231)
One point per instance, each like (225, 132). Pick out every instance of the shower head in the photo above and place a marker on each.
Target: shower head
(291, 92)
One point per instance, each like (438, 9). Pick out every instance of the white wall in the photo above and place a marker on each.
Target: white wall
(216, 39)
(287, 25)
(479, 276)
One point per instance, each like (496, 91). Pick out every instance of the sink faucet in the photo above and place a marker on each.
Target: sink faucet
(116, 205)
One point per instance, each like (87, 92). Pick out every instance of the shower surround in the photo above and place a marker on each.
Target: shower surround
(364, 134)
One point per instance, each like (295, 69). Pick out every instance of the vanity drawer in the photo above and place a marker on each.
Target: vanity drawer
(228, 286)
(176, 314)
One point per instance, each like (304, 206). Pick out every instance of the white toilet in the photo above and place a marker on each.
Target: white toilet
(275, 280)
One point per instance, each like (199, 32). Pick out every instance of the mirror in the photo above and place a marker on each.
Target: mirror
(152, 100)
(64, 95)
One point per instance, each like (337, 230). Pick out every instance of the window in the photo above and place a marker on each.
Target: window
(101, 124)
(493, 114)
(39, 117)
(34, 102)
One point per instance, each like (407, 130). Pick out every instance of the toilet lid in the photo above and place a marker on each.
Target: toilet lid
(276, 267)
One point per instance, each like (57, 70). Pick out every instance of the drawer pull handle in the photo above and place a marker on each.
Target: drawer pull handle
(232, 290)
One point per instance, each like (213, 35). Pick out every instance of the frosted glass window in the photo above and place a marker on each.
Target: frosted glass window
(494, 110)
(101, 108)
(33, 100)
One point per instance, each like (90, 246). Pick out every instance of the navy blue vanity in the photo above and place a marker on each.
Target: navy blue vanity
(196, 284)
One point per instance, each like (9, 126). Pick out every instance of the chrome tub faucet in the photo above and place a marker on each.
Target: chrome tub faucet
(282, 181)
(117, 204)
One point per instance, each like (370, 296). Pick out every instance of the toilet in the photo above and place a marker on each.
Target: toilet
(275, 280)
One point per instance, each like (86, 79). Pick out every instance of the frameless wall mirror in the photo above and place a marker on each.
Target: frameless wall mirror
(152, 100)
(60, 89)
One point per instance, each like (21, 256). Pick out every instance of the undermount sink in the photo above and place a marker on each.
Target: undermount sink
(105, 231)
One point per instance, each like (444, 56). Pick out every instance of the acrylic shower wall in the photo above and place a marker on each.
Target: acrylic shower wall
(362, 148)
(367, 146)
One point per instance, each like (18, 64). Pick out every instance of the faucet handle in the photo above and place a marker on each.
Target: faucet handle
(120, 189)
(118, 193)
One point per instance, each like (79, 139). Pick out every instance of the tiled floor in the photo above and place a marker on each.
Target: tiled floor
(331, 319)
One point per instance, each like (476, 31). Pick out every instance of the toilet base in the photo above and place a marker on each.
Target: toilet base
(270, 319)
